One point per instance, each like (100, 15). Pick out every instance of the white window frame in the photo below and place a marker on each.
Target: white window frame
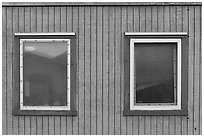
(164, 106)
(57, 108)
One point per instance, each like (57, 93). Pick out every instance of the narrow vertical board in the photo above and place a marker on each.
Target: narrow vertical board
(142, 20)
(63, 28)
(45, 16)
(21, 24)
(111, 95)
(93, 70)
(39, 17)
(87, 73)
(123, 123)
(57, 17)
(197, 74)
(68, 20)
(33, 21)
(185, 29)
(118, 33)
(9, 70)
(45, 28)
(160, 15)
(81, 70)
(27, 11)
(4, 71)
(39, 125)
(179, 26)
(105, 69)
(73, 20)
(191, 70)
(99, 92)
(148, 18)
(15, 29)
(136, 28)
(136, 16)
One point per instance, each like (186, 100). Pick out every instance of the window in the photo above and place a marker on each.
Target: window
(155, 74)
(46, 71)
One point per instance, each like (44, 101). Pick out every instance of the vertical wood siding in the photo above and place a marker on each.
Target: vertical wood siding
(100, 40)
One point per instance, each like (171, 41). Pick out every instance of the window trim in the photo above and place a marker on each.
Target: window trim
(184, 71)
(57, 108)
(71, 109)
(164, 106)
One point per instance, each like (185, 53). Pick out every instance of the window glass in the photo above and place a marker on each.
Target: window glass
(44, 72)
(155, 72)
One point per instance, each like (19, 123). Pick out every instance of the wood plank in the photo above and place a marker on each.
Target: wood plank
(105, 69)
(21, 24)
(154, 19)
(142, 18)
(69, 28)
(39, 17)
(117, 69)
(130, 28)
(111, 65)
(185, 23)
(15, 29)
(160, 18)
(99, 42)
(123, 29)
(4, 71)
(93, 71)
(45, 28)
(81, 70)
(160, 125)
(147, 128)
(87, 64)
(197, 71)
(136, 28)
(148, 18)
(9, 71)
(153, 125)
(75, 19)
(191, 70)
(179, 27)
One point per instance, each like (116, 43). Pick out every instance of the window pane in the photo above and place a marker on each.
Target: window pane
(154, 72)
(45, 71)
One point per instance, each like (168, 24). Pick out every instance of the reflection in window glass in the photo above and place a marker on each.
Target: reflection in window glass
(155, 72)
(45, 71)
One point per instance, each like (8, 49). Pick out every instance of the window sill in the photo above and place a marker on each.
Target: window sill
(44, 113)
(154, 112)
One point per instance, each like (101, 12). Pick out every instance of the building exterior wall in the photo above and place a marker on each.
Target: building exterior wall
(100, 70)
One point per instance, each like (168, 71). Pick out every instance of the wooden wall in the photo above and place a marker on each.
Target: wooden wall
(100, 40)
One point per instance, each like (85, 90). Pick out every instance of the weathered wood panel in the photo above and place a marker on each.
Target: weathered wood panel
(100, 68)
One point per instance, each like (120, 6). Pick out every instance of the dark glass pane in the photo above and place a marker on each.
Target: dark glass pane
(154, 72)
(45, 71)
